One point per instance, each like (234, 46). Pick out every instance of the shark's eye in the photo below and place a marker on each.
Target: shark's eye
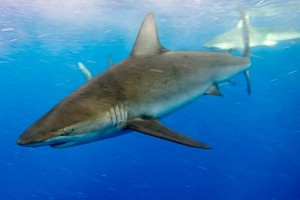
(68, 131)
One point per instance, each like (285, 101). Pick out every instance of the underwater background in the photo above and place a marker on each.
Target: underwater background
(255, 138)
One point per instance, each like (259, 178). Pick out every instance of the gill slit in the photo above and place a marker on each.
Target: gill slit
(118, 115)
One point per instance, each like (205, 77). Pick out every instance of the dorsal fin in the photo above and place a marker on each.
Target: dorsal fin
(147, 42)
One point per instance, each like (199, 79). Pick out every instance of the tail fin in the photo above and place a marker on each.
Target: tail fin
(246, 42)
(245, 32)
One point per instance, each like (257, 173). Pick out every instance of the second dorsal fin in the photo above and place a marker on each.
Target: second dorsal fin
(147, 41)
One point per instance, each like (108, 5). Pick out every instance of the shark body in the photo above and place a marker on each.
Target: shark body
(135, 93)
(259, 36)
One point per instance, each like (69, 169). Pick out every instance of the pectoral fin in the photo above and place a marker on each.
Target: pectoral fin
(154, 128)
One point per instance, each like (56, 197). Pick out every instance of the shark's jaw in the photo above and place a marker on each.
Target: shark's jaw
(86, 138)
(70, 141)
(54, 145)
(59, 141)
(66, 144)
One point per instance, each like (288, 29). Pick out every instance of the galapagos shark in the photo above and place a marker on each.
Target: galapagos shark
(136, 93)
(259, 36)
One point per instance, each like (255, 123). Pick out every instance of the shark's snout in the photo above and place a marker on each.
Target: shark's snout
(24, 139)
(32, 137)
(21, 141)
(27, 140)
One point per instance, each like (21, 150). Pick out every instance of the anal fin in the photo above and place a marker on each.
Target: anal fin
(154, 128)
(247, 76)
(214, 90)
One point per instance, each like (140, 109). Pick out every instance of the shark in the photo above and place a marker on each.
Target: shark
(259, 36)
(260, 10)
(136, 93)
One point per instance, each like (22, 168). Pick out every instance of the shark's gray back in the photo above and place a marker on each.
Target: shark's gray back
(154, 84)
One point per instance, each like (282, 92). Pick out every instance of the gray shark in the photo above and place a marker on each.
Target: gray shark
(270, 10)
(136, 93)
(259, 36)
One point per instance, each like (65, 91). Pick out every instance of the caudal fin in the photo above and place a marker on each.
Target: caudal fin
(246, 44)
(245, 33)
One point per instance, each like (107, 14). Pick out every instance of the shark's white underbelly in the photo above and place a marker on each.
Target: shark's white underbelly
(160, 107)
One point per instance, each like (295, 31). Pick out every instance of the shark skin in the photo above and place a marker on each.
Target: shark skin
(259, 36)
(136, 93)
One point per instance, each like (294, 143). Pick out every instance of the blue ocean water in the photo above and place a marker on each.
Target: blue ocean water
(255, 138)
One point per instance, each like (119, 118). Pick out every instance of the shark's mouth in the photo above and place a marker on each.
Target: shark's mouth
(57, 145)
(65, 144)
(62, 142)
